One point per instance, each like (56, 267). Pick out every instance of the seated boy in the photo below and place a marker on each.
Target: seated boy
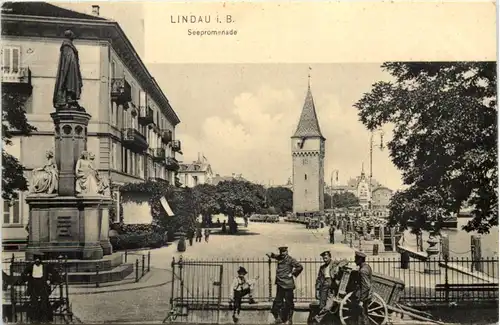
(241, 287)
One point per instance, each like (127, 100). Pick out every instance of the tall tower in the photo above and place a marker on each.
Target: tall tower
(308, 155)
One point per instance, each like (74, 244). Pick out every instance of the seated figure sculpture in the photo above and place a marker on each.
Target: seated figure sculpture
(88, 180)
(45, 179)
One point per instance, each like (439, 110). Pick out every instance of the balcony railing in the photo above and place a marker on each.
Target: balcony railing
(159, 154)
(17, 80)
(172, 164)
(121, 92)
(176, 145)
(133, 139)
(146, 115)
(166, 136)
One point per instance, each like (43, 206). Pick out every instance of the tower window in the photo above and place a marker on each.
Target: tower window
(305, 177)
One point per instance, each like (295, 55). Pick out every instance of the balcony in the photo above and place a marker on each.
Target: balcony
(176, 145)
(134, 140)
(159, 154)
(172, 164)
(121, 92)
(16, 80)
(146, 116)
(177, 182)
(166, 136)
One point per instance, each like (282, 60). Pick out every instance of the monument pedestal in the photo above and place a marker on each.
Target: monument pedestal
(75, 226)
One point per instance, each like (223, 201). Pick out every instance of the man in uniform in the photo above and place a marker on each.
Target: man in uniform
(286, 270)
(364, 291)
(327, 284)
(332, 234)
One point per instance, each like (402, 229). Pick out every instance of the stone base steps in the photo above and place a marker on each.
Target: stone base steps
(116, 274)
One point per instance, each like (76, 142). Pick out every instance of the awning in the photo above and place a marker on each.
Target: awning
(166, 207)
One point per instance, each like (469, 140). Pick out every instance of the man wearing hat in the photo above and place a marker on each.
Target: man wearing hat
(286, 270)
(39, 276)
(241, 287)
(327, 284)
(364, 291)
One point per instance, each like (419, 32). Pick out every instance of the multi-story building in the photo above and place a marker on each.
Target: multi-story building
(198, 172)
(218, 178)
(381, 197)
(308, 155)
(132, 129)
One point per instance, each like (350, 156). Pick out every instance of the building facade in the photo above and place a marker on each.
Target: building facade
(218, 178)
(198, 172)
(308, 155)
(132, 129)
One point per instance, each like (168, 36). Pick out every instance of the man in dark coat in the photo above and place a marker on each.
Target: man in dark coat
(364, 289)
(68, 87)
(190, 236)
(327, 284)
(287, 269)
(332, 234)
(39, 276)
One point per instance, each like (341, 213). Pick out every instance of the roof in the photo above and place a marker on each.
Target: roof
(194, 167)
(26, 18)
(308, 124)
(43, 9)
(381, 187)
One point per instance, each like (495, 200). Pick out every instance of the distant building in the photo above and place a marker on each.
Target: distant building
(198, 172)
(217, 178)
(308, 155)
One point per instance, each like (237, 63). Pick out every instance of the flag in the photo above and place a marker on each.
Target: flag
(166, 207)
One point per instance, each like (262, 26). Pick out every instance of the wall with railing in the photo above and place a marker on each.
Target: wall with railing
(209, 281)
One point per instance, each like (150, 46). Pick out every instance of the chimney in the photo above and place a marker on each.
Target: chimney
(95, 10)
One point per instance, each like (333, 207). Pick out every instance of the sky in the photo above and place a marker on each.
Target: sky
(241, 116)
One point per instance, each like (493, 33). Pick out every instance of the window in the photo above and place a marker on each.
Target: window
(124, 160)
(305, 161)
(113, 69)
(11, 60)
(11, 212)
(305, 177)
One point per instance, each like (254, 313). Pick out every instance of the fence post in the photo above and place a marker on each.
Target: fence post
(137, 270)
(149, 261)
(172, 287)
(269, 262)
(97, 276)
(143, 266)
(476, 253)
(446, 284)
(12, 291)
(181, 279)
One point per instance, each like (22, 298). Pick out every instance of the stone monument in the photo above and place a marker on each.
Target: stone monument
(431, 265)
(69, 201)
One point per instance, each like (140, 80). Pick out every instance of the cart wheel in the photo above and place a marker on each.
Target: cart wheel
(377, 310)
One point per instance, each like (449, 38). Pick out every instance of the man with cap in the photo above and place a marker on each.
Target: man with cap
(327, 284)
(241, 287)
(286, 270)
(364, 291)
(39, 277)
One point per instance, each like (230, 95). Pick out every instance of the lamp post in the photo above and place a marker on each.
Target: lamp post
(381, 147)
(336, 171)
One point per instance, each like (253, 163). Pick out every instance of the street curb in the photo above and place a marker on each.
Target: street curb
(120, 290)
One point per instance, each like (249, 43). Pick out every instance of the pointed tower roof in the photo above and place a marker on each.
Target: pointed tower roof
(308, 124)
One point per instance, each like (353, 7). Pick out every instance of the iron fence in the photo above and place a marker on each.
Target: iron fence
(208, 282)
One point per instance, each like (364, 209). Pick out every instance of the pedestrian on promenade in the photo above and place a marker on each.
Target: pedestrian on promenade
(364, 288)
(287, 269)
(39, 276)
(199, 234)
(224, 227)
(241, 288)
(332, 234)
(190, 236)
(207, 234)
(327, 284)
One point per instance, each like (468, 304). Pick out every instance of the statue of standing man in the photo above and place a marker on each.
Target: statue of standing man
(68, 87)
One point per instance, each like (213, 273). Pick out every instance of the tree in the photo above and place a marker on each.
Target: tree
(14, 122)
(239, 198)
(341, 200)
(281, 198)
(445, 138)
(206, 201)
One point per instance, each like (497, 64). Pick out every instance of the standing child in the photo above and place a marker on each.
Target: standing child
(241, 287)
(207, 234)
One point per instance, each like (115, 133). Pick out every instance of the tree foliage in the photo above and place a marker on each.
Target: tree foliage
(341, 200)
(444, 139)
(281, 198)
(206, 199)
(181, 201)
(240, 198)
(14, 121)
